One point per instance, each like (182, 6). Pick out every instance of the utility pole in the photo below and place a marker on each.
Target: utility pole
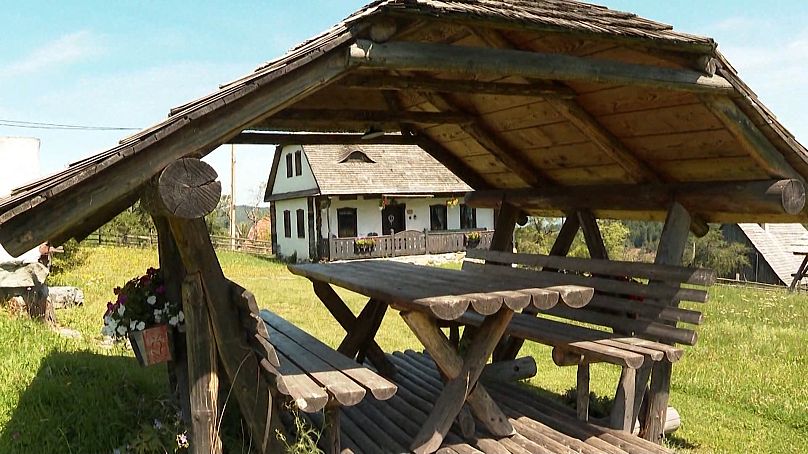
(232, 211)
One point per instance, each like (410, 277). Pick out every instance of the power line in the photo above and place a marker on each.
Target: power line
(38, 125)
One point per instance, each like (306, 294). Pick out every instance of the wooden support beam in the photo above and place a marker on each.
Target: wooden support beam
(202, 374)
(539, 89)
(269, 138)
(239, 361)
(775, 197)
(760, 148)
(592, 236)
(502, 240)
(477, 62)
(510, 157)
(372, 116)
(673, 239)
(582, 391)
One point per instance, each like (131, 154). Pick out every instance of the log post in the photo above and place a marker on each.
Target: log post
(183, 193)
(202, 376)
(669, 252)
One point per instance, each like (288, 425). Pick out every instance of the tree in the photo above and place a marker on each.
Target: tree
(539, 234)
(712, 251)
(133, 221)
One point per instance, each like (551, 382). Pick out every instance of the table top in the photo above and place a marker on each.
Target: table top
(445, 293)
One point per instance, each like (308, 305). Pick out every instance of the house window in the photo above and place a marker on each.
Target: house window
(437, 217)
(287, 223)
(301, 223)
(468, 217)
(346, 222)
(289, 169)
(298, 163)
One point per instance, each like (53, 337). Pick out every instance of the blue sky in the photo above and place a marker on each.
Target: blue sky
(124, 64)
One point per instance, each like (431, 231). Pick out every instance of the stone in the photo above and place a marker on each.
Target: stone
(64, 297)
(22, 275)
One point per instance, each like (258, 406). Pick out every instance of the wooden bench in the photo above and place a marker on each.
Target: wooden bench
(317, 378)
(636, 304)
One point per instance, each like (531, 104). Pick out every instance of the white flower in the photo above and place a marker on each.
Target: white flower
(181, 317)
(158, 424)
(121, 310)
(173, 321)
(151, 300)
(132, 325)
(140, 326)
(158, 315)
(121, 329)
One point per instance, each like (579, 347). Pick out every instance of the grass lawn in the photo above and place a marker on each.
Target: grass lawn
(742, 388)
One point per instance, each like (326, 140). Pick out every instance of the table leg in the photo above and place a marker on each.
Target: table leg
(463, 374)
(340, 311)
(357, 341)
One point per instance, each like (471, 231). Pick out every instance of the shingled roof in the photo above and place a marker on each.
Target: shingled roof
(394, 170)
(536, 94)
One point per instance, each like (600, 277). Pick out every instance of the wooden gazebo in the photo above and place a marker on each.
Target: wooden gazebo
(549, 107)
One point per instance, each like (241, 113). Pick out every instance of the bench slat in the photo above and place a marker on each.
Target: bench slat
(345, 391)
(696, 276)
(295, 383)
(544, 278)
(381, 388)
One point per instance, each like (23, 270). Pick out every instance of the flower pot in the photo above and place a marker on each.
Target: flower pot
(471, 244)
(152, 345)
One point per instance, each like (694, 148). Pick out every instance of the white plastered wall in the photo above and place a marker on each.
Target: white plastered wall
(284, 184)
(288, 246)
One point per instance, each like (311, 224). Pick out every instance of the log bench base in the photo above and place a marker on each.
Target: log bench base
(374, 426)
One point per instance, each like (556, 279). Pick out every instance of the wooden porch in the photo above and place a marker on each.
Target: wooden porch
(541, 426)
(404, 243)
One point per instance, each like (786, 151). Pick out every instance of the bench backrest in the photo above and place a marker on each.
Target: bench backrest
(640, 299)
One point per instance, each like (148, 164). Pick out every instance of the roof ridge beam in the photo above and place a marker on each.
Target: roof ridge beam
(475, 61)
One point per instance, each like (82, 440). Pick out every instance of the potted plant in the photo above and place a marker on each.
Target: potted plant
(472, 239)
(143, 314)
(364, 245)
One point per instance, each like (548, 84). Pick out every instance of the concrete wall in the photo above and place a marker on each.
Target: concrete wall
(288, 246)
(284, 184)
(369, 218)
(19, 164)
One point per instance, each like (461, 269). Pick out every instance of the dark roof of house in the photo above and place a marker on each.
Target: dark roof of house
(516, 141)
(395, 169)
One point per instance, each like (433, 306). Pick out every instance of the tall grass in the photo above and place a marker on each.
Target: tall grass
(741, 388)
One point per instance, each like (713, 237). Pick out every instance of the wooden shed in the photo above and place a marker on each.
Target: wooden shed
(544, 107)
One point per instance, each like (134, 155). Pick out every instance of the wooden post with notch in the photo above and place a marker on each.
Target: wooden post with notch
(184, 192)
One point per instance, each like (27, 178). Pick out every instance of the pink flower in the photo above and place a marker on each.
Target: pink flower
(122, 298)
(144, 280)
(160, 290)
(110, 308)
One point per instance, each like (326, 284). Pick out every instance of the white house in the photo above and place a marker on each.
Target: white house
(321, 194)
(19, 164)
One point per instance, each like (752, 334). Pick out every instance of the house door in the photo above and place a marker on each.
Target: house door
(393, 219)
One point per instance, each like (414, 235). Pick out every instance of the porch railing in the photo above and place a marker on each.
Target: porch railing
(408, 242)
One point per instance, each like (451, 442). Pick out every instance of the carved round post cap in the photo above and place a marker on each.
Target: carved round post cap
(188, 189)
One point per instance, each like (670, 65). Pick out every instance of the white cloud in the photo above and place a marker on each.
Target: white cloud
(62, 51)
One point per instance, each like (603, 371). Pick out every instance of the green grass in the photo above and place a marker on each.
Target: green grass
(742, 388)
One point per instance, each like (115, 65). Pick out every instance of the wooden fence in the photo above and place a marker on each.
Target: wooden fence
(219, 242)
(408, 242)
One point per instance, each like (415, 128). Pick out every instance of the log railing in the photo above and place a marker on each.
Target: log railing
(401, 244)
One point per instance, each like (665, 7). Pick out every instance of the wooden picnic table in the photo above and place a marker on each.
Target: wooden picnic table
(425, 296)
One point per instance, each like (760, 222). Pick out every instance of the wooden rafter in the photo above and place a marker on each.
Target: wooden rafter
(376, 81)
(509, 156)
(434, 148)
(269, 138)
(766, 197)
(752, 140)
(371, 116)
(474, 61)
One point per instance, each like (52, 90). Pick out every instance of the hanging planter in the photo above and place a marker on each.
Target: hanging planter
(152, 345)
(143, 314)
(472, 240)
